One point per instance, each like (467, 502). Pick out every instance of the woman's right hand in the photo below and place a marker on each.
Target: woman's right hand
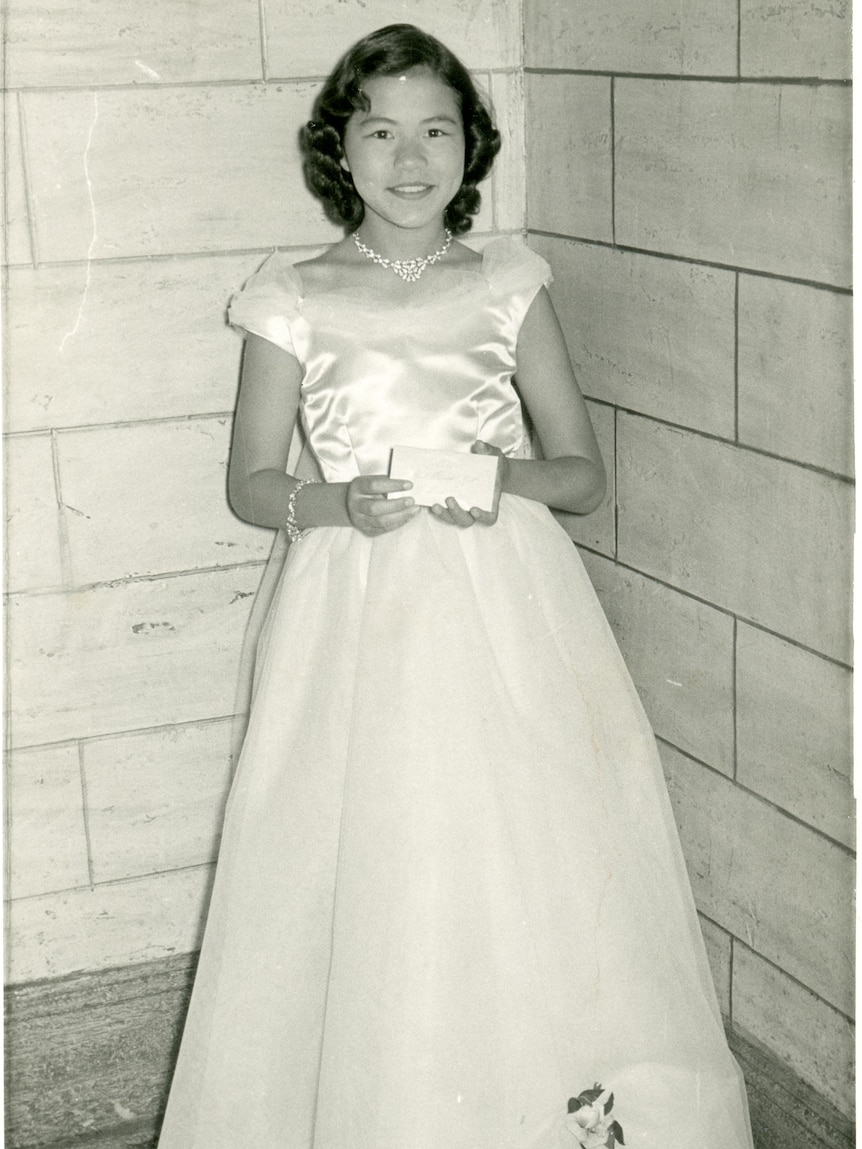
(371, 512)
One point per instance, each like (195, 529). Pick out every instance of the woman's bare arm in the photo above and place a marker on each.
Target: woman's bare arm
(571, 476)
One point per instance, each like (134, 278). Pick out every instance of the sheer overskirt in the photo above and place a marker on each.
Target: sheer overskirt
(450, 893)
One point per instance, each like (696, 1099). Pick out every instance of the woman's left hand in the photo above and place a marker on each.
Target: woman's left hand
(455, 514)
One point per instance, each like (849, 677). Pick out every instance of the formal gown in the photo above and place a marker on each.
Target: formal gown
(450, 894)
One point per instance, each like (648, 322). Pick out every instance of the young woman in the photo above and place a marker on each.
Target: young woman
(450, 895)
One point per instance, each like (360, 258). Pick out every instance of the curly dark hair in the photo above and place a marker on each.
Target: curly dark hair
(387, 52)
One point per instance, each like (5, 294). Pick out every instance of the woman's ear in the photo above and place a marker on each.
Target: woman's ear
(344, 164)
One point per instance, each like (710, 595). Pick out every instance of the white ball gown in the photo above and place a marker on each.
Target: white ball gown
(450, 894)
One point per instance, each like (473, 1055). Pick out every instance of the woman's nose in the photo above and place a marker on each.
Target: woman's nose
(410, 152)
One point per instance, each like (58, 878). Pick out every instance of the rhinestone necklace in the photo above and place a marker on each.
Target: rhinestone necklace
(408, 269)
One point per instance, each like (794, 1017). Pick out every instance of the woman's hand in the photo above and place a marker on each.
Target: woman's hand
(371, 512)
(455, 515)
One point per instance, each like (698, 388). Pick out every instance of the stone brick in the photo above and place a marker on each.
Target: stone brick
(13, 191)
(123, 42)
(507, 99)
(569, 170)
(796, 372)
(304, 38)
(695, 38)
(794, 718)
(45, 832)
(652, 335)
(33, 551)
(155, 799)
(719, 949)
(777, 1011)
(750, 175)
(156, 171)
(805, 38)
(779, 886)
(679, 653)
(596, 530)
(150, 498)
(126, 656)
(765, 539)
(118, 924)
(64, 326)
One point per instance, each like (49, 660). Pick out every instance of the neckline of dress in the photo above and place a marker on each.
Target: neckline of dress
(463, 276)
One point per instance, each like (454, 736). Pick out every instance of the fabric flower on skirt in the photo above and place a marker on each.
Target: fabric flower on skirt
(591, 1122)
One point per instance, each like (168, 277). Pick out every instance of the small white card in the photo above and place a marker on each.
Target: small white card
(438, 475)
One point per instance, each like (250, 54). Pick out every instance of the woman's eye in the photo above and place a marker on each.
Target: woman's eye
(435, 133)
(381, 134)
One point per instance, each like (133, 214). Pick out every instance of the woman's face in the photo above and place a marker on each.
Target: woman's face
(406, 153)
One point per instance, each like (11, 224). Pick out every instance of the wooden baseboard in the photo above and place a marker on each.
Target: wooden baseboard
(89, 1060)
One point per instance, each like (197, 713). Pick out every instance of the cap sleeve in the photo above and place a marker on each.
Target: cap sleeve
(510, 266)
(269, 302)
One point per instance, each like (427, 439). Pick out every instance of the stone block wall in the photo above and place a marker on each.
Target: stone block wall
(152, 165)
(688, 180)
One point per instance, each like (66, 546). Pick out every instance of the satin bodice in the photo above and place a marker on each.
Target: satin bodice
(434, 369)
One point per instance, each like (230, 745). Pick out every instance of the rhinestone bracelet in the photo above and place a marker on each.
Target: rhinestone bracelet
(290, 524)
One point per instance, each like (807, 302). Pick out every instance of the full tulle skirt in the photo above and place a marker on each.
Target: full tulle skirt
(450, 893)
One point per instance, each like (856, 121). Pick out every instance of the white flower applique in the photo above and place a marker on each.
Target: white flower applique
(591, 1122)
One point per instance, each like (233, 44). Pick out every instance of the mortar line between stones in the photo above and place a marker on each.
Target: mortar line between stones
(110, 882)
(695, 78)
(135, 579)
(32, 230)
(7, 814)
(616, 492)
(734, 695)
(85, 807)
(302, 81)
(66, 572)
(134, 732)
(790, 977)
(122, 424)
(494, 187)
(264, 53)
(848, 851)
(694, 261)
(736, 357)
(299, 81)
(613, 163)
(623, 565)
(749, 448)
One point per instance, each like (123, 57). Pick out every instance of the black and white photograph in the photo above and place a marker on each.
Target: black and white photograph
(429, 537)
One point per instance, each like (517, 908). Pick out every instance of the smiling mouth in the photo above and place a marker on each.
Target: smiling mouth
(411, 191)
